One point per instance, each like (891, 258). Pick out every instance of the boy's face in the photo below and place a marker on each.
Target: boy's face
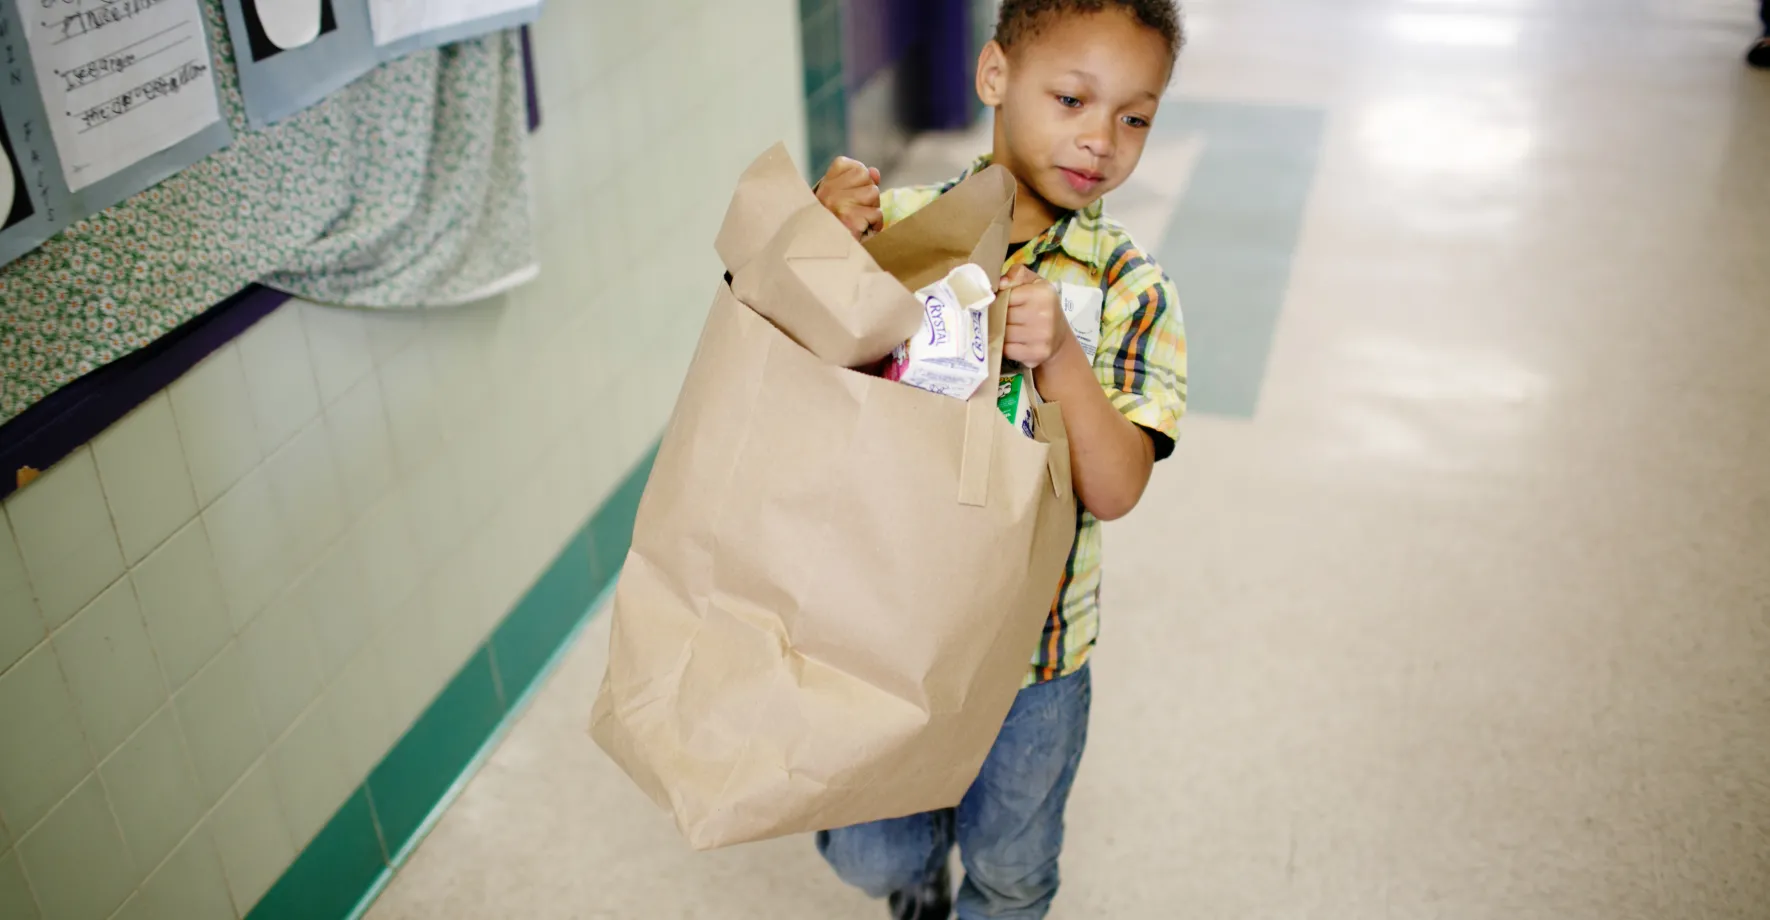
(1074, 102)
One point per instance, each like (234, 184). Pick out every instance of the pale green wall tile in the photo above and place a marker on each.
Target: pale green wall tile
(110, 666)
(153, 789)
(76, 860)
(45, 753)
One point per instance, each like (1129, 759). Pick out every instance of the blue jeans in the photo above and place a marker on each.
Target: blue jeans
(1009, 826)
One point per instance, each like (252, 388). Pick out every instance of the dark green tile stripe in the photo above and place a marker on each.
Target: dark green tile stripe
(524, 642)
(413, 776)
(357, 851)
(334, 872)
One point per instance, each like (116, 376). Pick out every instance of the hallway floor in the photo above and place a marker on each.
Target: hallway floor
(1455, 600)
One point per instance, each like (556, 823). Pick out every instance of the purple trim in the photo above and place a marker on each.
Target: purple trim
(62, 422)
(57, 425)
(529, 81)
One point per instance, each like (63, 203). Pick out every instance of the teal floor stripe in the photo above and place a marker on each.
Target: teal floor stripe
(1232, 238)
(354, 856)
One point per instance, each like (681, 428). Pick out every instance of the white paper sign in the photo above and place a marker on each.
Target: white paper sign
(121, 79)
(394, 20)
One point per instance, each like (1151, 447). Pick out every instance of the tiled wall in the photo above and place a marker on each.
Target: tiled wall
(217, 618)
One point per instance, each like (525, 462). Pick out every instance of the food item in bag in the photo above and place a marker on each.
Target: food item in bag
(949, 355)
(1016, 396)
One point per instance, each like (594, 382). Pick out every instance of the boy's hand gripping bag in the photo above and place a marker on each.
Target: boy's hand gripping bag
(836, 581)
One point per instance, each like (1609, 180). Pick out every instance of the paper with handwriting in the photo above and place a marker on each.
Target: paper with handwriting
(121, 79)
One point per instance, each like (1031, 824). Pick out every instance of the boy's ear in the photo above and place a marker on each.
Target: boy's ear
(992, 74)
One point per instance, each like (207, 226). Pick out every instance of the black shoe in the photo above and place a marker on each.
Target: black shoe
(933, 901)
(1759, 56)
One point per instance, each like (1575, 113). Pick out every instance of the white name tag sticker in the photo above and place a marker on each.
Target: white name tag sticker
(1081, 306)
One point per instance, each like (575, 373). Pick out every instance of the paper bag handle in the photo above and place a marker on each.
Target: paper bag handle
(979, 451)
(980, 415)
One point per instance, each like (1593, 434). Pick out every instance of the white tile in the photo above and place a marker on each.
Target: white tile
(76, 859)
(220, 722)
(473, 462)
(183, 604)
(214, 414)
(357, 698)
(21, 628)
(109, 662)
(251, 544)
(189, 886)
(506, 577)
(309, 771)
(338, 346)
(383, 541)
(141, 463)
(45, 753)
(406, 649)
(305, 481)
(459, 343)
(153, 789)
(279, 377)
(252, 837)
(458, 607)
(361, 445)
(337, 598)
(283, 660)
(390, 331)
(64, 534)
(435, 511)
(409, 389)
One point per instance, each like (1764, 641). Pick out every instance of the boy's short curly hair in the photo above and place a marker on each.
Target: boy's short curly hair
(1022, 19)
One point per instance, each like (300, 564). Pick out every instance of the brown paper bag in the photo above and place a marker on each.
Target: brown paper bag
(808, 275)
(836, 581)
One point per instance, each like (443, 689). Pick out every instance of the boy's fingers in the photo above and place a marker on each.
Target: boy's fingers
(848, 173)
(1017, 276)
(1021, 292)
(873, 171)
(860, 220)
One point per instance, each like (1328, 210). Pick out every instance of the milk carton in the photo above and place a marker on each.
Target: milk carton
(1016, 397)
(950, 353)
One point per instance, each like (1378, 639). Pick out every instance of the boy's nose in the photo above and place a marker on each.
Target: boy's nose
(1097, 140)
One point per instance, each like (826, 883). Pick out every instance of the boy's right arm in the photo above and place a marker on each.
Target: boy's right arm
(850, 190)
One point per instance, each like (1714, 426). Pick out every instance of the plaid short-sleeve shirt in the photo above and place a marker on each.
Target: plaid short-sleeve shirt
(1141, 362)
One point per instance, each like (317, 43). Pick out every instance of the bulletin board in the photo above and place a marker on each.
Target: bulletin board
(407, 188)
(96, 106)
(293, 53)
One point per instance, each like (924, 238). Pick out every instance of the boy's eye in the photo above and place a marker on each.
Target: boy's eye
(1136, 121)
(1068, 102)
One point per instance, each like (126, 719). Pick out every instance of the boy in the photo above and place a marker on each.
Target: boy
(1075, 85)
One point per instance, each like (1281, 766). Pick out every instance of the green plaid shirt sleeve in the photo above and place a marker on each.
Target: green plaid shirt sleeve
(1142, 358)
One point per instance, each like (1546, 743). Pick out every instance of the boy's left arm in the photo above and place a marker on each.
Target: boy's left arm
(1123, 412)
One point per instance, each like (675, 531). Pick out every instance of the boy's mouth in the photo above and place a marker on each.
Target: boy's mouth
(1082, 180)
